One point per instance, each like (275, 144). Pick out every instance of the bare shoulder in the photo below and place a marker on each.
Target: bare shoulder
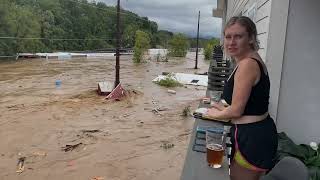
(248, 71)
(249, 65)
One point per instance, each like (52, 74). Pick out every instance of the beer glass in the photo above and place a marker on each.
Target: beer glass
(215, 143)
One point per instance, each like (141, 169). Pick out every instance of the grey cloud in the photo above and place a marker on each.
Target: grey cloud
(176, 15)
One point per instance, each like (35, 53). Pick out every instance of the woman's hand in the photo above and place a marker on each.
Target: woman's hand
(213, 113)
(221, 105)
(216, 114)
(217, 105)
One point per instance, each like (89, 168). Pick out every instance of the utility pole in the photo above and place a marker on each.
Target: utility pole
(117, 81)
(196, 66)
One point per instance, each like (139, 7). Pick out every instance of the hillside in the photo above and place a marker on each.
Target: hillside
(68, 25)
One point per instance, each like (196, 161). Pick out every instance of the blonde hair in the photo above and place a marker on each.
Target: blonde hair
(250, 27)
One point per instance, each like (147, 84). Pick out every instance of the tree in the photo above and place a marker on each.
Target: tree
(208, 50)
(178, 45)
(141, 45)
(162, 38)
(23, 25)
(128, 36)
(202, 42)
(6, 28)
(60, 25)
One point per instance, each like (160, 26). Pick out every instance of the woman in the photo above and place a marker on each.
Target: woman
(253, 133)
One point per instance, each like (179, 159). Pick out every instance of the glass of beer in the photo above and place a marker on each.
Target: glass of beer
(215, 143)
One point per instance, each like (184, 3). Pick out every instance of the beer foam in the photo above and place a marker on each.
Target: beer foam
(215, 147)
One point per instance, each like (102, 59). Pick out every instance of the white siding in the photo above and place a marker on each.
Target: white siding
(263, 8)
(262, 21)
(263, 38)
(262, 52)
(236, 7)
(263, 25)
(262, 18)
(275, 50)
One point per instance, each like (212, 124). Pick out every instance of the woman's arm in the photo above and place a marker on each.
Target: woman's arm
(221, 105)
(217, 105)
(244, 79)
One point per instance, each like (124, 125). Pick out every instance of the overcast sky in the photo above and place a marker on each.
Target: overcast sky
(176, 15)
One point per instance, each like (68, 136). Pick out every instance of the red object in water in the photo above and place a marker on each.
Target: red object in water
(116, 93)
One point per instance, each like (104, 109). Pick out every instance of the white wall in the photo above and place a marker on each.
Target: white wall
(299, 102)
(261, 17)
(275, 50)
(262, 20)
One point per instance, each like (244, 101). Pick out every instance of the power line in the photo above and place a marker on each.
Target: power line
(55, 39)
(7, 56)
(97, 50)
(76, 39)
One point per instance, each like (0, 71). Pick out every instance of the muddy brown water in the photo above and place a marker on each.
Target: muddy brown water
(121, 140)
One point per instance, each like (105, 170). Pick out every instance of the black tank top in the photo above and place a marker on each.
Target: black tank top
(258, 101)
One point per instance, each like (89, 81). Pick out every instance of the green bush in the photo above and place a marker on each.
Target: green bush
(208, 51)
(178, 45)
(137, 56)
(169, 81)
(141, 45)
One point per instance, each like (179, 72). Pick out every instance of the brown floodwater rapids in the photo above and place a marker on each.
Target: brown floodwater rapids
(117, 140)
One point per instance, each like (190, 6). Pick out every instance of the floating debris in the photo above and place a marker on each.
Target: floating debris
(70, 147)
(167, 145)
(40, 153)
(20, 165)
(158, 109)
(172, 91)
(186, 111)
(97, 178)
(90, 131)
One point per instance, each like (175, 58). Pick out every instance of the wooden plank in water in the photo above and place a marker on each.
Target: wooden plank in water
(104, 88)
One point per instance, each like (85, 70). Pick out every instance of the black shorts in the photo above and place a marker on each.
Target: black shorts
(257, 142)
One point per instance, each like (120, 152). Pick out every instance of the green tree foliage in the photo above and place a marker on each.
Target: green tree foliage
(202, 42)
(77, 25)
(214, 41)
(128, 37)
(141, 45)
(6, 27)
(22, 20)
(208, 50)
(163, 37)
(178, 45)
(67, 25)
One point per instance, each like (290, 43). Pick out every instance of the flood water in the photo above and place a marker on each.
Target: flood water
(117, 140)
